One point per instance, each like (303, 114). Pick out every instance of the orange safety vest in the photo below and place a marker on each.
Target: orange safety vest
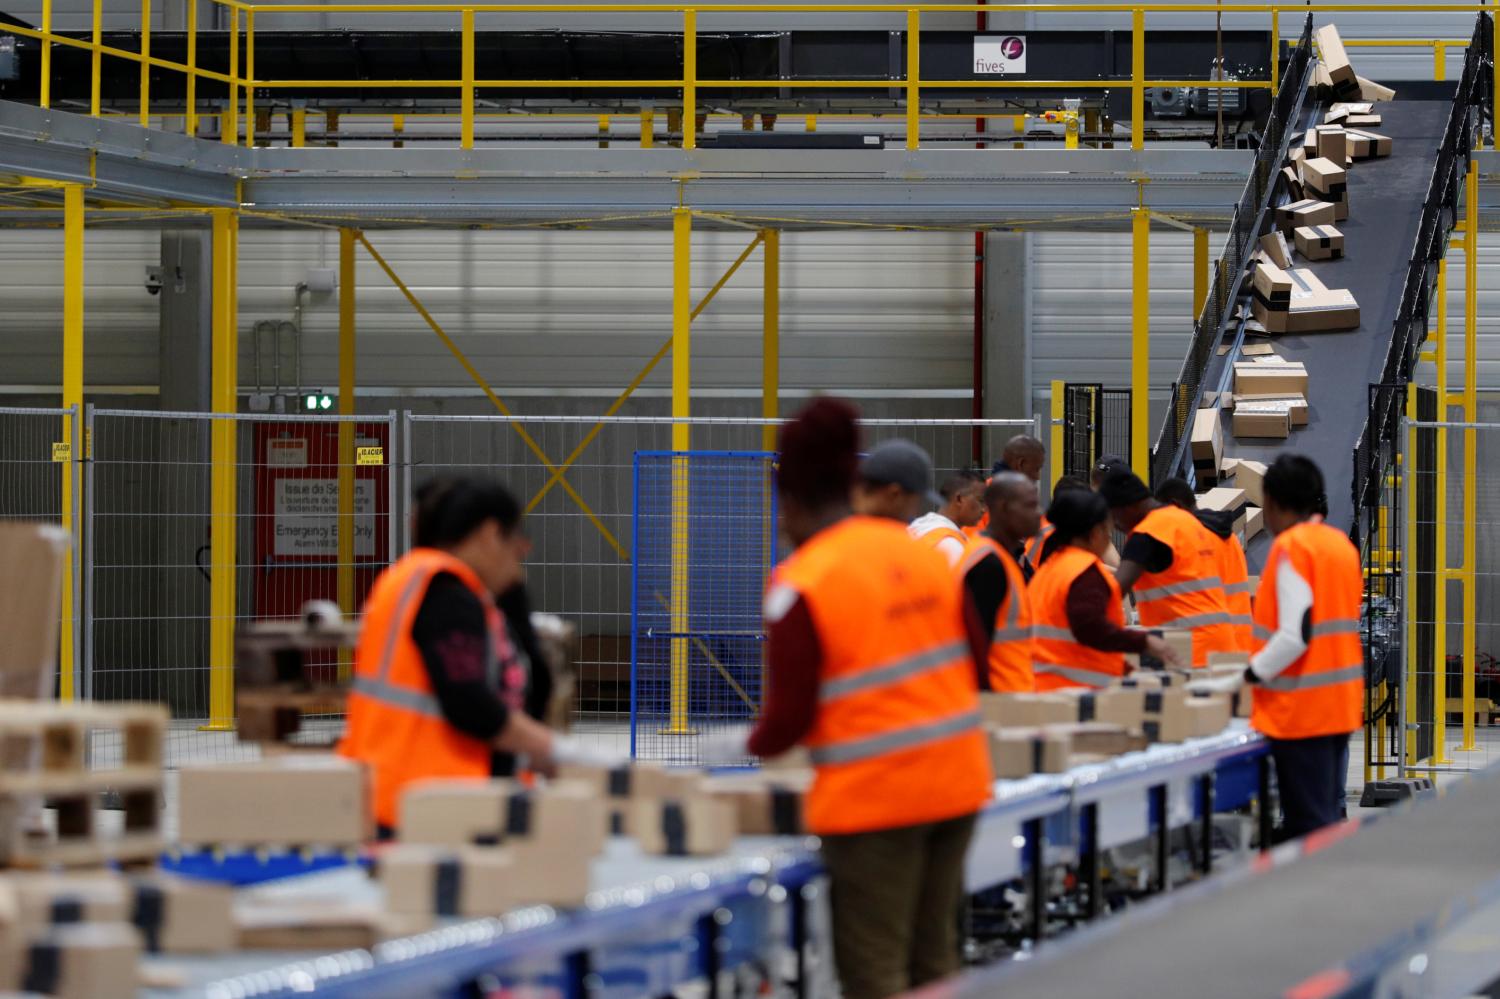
(898, 738)
(1189, 594)
(1033, 550)
(1009, 667)
(938, 535)
(1061, 661)
(395, 725)
(1323, 692)
(1235, 574)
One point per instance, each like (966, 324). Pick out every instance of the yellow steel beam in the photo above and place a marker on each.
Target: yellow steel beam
(1140, 342)
(1410, 473)
(1440, 528)
(299, 128)
(495, 400)
(680, 608)
(249, 76)
(770, 342)
(1137, 86)
(913, 79)
(690, 79)
(190, 122)
(222, 473)
(1200, 271)
(648, 128)
(45, 99)
(682, 324)
(145, 96)
(1494, 80)
(229, 126)
(1471, 445)
(468, 80)
(72, 396)
(1059, 413)
(826, 8)
(96, 59)
(347, 300)
(1275, 52)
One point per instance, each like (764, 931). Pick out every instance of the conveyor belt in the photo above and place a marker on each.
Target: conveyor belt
(1385, 207)
(1351, 905)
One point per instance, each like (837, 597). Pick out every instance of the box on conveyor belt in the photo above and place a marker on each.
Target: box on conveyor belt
(1271, 287)
(1252, 378)
(421, 879)
(1319, 242)
(301, 799)
(1296, 405)
(1021, 752)
(1323, 177)
(1330, 142)
(1249, 476)
(1255, 522)
(1348, 107)
(683, 827)
(1367, 145)
(1255, 419)
(1293, 191)
(1335, 61)
(1114, 705)
(1027, 710)
(1363, 121)
(1175, 715)
(567, 818)
(1154, 679)
(1275, 247)
(1209, 714)
(1208, 443)
(1226, 499)
(319, 924)
(1322, 312)
(1297, 153)
(1233, 664)
(1308, 211)
(765, 804)
(83, 961)
(32, 557)
(44, 899)
(1100, 739)
(178, 915)
(621, 785)
(1371, 91)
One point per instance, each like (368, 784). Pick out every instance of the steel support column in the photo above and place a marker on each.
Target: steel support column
(1440, 528)
(345, 569)
(1140, 342)
(682, 324)
(222, 555)
(72, 396)
(770, 354)
(1059, 415)
(1200, 272)
(1471, 443)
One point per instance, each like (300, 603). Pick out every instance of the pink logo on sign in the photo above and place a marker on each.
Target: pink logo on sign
(1012, 47)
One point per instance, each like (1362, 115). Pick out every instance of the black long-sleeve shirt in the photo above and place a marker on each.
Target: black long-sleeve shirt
(451, 633)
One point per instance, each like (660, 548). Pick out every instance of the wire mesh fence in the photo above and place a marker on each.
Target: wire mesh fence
(575, 477)
(1452, 698)
(155, 632)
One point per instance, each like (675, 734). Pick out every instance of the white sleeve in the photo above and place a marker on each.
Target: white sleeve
(1293, 601)
(952, 548)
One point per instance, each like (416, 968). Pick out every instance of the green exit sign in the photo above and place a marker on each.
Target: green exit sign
(314, 403)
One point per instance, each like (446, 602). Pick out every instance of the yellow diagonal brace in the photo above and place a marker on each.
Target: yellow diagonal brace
(656, 359)
(499, 404)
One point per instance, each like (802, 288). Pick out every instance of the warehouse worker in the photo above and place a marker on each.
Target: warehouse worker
(963, 506)
(870, 666)
(1079, 638)
(895, 482)
(438, 685)
(997, 589)
(1106, 466)
(1307, 672)
(1234, 572)
(1026, 455)
(1171, 561)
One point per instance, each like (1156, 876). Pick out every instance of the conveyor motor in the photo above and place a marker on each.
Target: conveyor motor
(1198, 102)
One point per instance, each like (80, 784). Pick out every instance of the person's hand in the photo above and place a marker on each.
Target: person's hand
(1157, 648)
(727, 748)
(570, 751)
(1226, 684)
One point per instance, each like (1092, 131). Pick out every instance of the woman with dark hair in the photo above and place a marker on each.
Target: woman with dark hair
(439, 685)
(1079, 636)
(871, 666)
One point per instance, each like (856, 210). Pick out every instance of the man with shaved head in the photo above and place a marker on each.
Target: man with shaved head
(1025, 454)
(996, 586)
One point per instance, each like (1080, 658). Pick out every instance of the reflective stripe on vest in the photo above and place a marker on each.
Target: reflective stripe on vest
(1179, 589)
(417, 583)
(892, 672)
(1304, 681)
(1242, 620)
(1336, 626)
(1076, 674)
(1262, 633)
(1049, 631)
(1195, 621)
(855, 750)
(1009, 631)
(397, 697)
(1234, 589)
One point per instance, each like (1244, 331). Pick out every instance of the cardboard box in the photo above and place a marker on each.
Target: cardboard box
(1350, 107)
(1308, 211)
(421, 879)
(1331, 142)
(1261, 420)
(1367, 145)
(1118, 705)
(1293, 190)
(44, 900)
(1021, 752)
(1100, 739)
(1363, 121)
(1323, 312)
(683, 827)
(1226, 499)
(301, 799)
(1335, 62)
(1255, 522)
(1322, 242)
(1274, 245)
(1027, 710)
(1309, 143)
(1371, 91)
(1208, 714)
(1296, 405)
(1249, 476)
(32, 558)
(765, 804)
(84, 961)
(566, 818)
(1320, 77)
(1272, 286)
(1323, 178)
(1255, 378)
(179, 915)
(619, 786)
(1208, 439)
(1165, 715)
(1297, 153)
(320, 924)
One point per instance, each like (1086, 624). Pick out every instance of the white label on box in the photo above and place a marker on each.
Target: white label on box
(997, 55)
(287, 452)
(307, 517)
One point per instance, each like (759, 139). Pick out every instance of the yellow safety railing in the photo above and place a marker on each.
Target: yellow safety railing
(242, 81)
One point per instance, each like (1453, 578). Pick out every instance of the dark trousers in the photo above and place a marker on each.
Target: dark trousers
(895, 895)
(1310, 774)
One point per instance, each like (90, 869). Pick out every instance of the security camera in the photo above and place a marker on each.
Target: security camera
(153, 280)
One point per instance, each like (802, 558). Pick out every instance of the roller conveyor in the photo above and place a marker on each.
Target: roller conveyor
(1411, 898)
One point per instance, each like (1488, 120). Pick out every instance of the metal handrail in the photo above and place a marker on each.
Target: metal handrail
(241, 77)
